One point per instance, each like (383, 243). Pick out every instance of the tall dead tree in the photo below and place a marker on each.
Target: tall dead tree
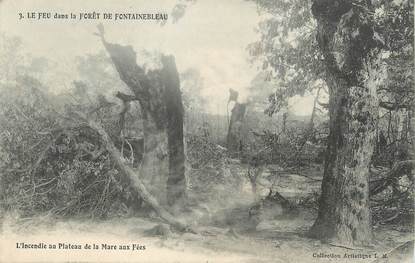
(159, 96)
(234, 137)
(354, 71)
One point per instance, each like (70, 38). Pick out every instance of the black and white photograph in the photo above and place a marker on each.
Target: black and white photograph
(207, 131)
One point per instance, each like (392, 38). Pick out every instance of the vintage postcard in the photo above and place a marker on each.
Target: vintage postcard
(207, 131)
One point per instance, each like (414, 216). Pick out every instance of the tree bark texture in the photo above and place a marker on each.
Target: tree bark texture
(353, 73)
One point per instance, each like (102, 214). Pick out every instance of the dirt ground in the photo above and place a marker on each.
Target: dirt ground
(226, 233)
(213, 244)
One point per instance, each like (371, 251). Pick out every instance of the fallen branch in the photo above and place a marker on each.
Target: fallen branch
(135, 179)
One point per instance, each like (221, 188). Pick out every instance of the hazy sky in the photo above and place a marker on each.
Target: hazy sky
(212, 37)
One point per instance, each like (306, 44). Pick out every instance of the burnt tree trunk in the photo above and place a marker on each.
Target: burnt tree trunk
(176, 182)
(234, 137)
(158, 93)
(353, 73)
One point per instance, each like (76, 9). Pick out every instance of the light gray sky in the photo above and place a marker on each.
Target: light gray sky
(212, 37)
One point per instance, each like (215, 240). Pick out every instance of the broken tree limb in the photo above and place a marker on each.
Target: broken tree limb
(124, 60)
(140, 187)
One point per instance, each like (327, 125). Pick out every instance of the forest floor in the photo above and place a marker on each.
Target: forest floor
(227, 233)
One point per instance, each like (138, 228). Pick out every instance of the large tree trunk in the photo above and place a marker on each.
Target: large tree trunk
(158, 93)
(176, 182)
(354, 72)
